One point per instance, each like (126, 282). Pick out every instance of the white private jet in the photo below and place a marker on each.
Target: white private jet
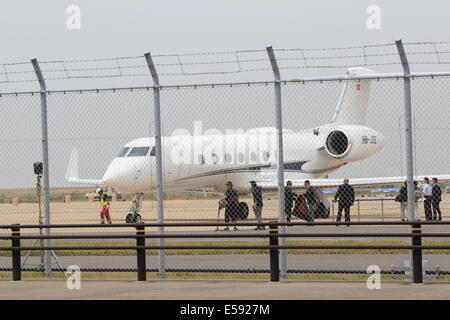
(207, 162)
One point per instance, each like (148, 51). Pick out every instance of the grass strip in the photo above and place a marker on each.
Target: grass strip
(121, 252)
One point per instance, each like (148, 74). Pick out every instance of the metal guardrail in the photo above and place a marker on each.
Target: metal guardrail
(358, 209)
(358, 206)
(416, 235)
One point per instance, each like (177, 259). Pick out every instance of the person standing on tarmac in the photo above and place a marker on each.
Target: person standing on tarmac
(104, 213)
(311, 198)
(427, 190)
(257, 203)
(232, 205)
(402, 197)
(289, 197)
(104, 205)
(436, 198)
(346, 197)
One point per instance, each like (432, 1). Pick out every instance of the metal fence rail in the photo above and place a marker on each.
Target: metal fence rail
(273, 247)
(388, 208)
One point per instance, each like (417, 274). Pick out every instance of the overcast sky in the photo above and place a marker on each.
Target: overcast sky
(130, 28)
(122, 28)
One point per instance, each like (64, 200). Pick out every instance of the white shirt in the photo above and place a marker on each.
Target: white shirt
(427, 190)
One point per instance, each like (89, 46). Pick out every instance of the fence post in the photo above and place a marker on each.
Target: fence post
(45, 167)
(280, 166)
(415, 263)
(417, 254)
(359, 212)
(159, 170)
(333, 202)
(274, 259)
(16, 264)
(141, 263)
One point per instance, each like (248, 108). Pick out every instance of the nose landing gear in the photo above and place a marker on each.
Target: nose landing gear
(134, 216)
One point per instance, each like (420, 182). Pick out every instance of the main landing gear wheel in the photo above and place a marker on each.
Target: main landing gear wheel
(134, 216)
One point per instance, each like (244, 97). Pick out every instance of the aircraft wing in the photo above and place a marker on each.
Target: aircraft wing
(356, 182)
(72, 172)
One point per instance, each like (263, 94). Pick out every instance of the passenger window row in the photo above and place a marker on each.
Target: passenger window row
(240, 157)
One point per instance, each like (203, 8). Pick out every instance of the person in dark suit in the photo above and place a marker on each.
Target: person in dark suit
(232, 205)
(402, 197)
(436, 198)
(346, 197)
(257, 203)
(289, 197)
(311, 198)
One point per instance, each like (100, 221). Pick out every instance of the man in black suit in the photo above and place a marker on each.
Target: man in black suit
(257, 203)
(232, 205)
(346, 197)
(289, 196)
(436, 193)
(312, 199)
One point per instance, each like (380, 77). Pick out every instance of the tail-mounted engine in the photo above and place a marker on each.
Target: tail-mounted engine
(353, 143)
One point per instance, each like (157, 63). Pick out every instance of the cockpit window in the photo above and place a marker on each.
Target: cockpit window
(123, 151)
(153, 152)
(138, 152)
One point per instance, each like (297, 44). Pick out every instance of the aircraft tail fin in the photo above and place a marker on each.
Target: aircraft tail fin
(72, 171)
(354, 99)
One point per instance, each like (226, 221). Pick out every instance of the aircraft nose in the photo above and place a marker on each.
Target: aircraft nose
(117, 176)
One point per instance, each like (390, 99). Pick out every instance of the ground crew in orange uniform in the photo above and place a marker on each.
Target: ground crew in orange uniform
(104, 213)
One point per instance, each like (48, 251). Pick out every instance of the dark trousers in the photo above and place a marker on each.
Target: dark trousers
(231, 212)
(288, 212)
(427, 208)
(346, 208)
(436, 211)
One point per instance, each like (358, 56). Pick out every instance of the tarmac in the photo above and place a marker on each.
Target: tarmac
(201, 210)
(220, 290)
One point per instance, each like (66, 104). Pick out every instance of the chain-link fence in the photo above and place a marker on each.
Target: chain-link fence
(348, 126)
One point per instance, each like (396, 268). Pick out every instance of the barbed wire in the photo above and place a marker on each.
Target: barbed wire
(229, 62)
